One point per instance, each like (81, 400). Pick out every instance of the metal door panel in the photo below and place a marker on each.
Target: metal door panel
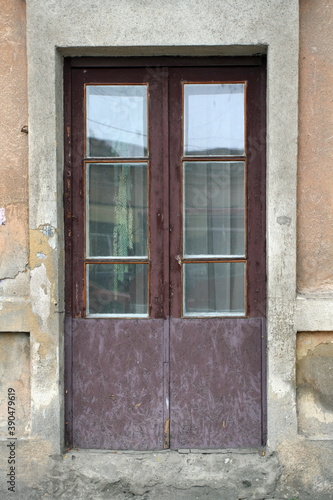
(215, 383)
(118, 384)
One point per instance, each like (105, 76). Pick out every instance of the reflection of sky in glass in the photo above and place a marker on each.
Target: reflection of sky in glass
(116, 119)
(214, 119)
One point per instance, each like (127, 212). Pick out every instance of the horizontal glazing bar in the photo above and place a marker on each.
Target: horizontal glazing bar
(212, 257)
(108, 260)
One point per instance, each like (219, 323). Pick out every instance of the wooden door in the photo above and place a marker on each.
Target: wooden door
(165, 253)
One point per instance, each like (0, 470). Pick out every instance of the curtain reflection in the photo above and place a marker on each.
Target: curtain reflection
(214, 288)
(214, 222)
(117, 289)
(117, 210)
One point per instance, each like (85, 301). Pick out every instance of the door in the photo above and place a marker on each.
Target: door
(165, 253)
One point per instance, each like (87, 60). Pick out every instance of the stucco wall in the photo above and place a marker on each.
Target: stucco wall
(32, 267)
(14, 142)
(315, 180)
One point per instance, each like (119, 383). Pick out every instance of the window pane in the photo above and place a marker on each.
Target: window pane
(117, 210)
(214, 119)
(116, 121)
(212, 288)
(117, 289)
(214, 199)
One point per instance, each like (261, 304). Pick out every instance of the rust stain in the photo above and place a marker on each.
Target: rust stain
(166, 434)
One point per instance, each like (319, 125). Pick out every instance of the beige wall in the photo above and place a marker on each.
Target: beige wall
(14, 143)
(315, 164)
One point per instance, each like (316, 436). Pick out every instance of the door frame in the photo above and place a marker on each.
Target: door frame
(128, 63)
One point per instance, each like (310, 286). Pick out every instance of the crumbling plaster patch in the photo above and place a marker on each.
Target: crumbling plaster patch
(315, 384)
(13, 240)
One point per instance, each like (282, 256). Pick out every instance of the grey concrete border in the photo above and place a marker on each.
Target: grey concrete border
(130, 28)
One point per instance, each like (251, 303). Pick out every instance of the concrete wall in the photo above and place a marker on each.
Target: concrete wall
(296, 462)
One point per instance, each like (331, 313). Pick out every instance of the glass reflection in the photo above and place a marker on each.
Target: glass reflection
(214, 202)
(214, 119)
(116, 121)
(117, 289)
(214, 288)
(117, 210)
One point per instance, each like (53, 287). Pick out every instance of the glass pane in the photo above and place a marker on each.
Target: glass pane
(212, 288)
(117, 289)
(116, 121)
(214, 199)
(214, 119)
(117, 210)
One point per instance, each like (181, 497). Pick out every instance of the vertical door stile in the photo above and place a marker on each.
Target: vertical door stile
(68, 252)
(175, 179)
(166, 238)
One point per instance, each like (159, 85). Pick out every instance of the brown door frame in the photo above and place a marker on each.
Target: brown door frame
(158, 68)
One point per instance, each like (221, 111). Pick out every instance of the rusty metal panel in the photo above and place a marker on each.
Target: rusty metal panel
(118, 384)
(215, 383)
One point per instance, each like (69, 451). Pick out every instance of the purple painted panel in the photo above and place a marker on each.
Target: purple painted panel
(118, 384)
(215, 385)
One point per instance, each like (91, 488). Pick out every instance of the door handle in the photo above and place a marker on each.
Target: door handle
(178, 259)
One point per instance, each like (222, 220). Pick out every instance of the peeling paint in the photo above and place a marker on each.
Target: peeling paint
(40, 288)
(47, 230)
(314, 410)
(283, 220)
(2, 216)
(314, 384)
(51, 233)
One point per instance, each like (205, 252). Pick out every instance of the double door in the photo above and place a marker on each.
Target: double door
(165, 253)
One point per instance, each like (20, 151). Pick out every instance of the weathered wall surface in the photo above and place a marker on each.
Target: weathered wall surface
(315, 180)
(297, 461)
(314, 384)
(14, 142)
